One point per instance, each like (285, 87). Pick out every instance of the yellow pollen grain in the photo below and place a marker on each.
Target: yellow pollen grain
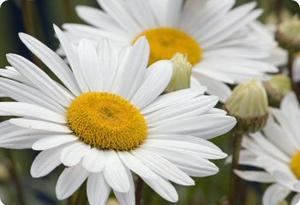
(166, 42)
(295, 164)
(107, 121)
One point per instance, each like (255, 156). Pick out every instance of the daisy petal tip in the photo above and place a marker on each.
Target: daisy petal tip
(34, 174)
(36, 147)
(9, 56)
(56, 29)
(22, 35)
(223, 155)
(79, 8)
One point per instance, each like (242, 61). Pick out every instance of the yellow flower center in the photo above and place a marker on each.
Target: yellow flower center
(107, 121)
(166, 42)
(295, 164)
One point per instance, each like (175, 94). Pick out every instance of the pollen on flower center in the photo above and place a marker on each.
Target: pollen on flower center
(166, 42)
(295, 164)
(107, 121)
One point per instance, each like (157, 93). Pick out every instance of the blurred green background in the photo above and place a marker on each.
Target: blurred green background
(43, 13)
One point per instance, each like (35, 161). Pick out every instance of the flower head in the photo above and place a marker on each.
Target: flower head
(108, 119)
(220, 42)
(277, 87)
(275, 151)
(249, 104)
(289, 33)
(182, 71)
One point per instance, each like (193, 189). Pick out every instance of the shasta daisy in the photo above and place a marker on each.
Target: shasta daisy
(220, 41)
(108, 118)
(276, 152)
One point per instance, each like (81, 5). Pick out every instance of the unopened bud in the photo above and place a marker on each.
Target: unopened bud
(182, 71)
(112, 202)
(277, 87)
(249, 105)
(289, 33)
(283, 203)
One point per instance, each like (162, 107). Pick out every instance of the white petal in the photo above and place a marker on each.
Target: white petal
(24, 93)
(204, 126)
(72, 58)
(69, 181)
(199, 148)
(115, 173)
(133, 69)
(97, 18)
(29, 110)
(274, 194)
(191, 164)
(40, 79)
(45, 162)
(289, 103)
(40, 125)
(172, 99)
(214, 87)
(18, 138)
(121, 15)
(89, 61)
(296, 200)
(94, 160)
(157, 79)
(134, 164)
(53, 141)
(194, 107)
(164, 188)
(163, 167)
(255, 176)
(52, 60)
(72, 154)
(97, 189)
(129, 197)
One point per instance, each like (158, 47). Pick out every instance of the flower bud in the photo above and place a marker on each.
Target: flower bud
(283, 203)
(182, 71)
(277, 87)
(112, 201)
(249, 105)
(288, 33)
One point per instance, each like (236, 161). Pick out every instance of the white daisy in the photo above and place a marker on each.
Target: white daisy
(108, 119)
(276, 150)
(218, 39)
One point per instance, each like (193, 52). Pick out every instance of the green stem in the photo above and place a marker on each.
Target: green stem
(15, 177)
(139, 191)
(235, 189)
(81, 198)
(28, 16)
(68, 14)
(69, 201)
(279, 9)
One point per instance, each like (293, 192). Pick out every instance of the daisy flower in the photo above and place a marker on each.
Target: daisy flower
(218, 39)
(276, 151)
(107, 119)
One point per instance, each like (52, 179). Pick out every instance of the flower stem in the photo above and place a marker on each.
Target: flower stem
(68, 15)
(15, 177)
(279, 9)
(81, 198)
(235, 189)
(28, 16)
(139, 191)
